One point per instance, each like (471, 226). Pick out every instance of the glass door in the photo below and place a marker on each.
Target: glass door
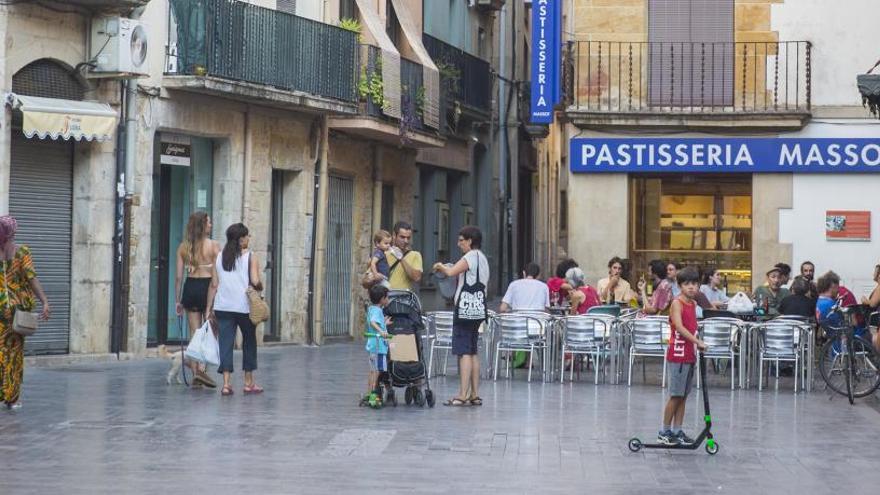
(703, 220)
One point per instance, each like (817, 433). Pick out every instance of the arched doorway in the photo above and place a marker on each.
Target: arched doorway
(41, 199)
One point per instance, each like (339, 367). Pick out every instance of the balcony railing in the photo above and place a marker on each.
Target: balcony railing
(689, 77)
(465, 77)
(412, 92)
(234, 40)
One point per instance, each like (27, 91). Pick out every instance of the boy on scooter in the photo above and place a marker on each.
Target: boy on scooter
(681, 356)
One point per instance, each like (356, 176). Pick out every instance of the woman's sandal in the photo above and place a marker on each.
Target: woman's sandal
(476, 401)
(456, 402)
(226, 390)
(253, 389)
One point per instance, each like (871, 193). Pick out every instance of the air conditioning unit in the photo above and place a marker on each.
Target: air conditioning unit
(118, 48)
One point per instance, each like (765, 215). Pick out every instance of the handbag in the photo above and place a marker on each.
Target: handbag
(471, 303)
(259, 310)
(203, 347)
(24, 323)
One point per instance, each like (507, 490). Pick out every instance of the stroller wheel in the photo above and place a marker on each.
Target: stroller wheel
(408, 395)
(418, 397)
(429, 398)
(390, 397)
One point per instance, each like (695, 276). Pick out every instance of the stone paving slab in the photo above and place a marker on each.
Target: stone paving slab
(118, 428)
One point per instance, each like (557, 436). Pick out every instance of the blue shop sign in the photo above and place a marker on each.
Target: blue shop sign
(758, 155)
(546, 59)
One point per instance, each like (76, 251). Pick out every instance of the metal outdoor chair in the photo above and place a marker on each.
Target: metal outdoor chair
(780, 341)
(722, 337)
(519, 332)
(441, 337)
(646, 340)
(585, 335)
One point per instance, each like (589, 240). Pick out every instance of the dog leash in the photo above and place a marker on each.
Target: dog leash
(182, 349)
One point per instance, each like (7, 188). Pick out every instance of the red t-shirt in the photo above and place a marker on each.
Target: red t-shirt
(591, 299)
(554, 284)
(680, 350)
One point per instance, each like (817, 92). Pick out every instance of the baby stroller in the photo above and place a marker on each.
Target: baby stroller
(406, 362)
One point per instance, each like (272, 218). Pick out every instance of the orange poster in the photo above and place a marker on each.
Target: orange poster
(848, 225)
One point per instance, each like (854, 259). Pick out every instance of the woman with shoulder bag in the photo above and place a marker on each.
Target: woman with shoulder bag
(19, 284)
(235, 271)
(470, 312)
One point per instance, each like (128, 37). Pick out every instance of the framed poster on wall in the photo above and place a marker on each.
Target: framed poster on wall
(842, 225)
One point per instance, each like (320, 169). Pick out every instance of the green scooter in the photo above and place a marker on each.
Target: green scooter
(636, 445)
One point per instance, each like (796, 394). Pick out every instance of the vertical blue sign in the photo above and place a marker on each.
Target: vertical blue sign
(546, 17)
(557, 50)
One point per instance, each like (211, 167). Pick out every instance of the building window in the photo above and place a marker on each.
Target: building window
(690, 52)
(347, 9)
(391, 22)
(482, 43)
(288, 6)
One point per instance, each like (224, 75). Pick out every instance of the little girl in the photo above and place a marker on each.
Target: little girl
(378, 262)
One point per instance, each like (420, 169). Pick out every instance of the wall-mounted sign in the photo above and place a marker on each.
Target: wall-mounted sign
(758, 155)
(546, 59)
(175, 150)
(847, 225)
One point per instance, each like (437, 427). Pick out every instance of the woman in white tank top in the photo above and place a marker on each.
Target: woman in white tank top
(234, 270)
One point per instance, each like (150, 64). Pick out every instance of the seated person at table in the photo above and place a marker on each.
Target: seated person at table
(829, 287)
(527, 293)
(582, 296)
(873, 301)
(661, 298)
(798, 303)
(557, 285)
(713, 290)
(614, 289)
(772, 291)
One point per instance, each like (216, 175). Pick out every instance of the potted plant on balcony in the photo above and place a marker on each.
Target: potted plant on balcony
(371, 87)
(869, 87)
(352, 25)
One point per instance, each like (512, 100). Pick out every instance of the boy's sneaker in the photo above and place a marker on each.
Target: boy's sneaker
(683, 438)
(668, 438)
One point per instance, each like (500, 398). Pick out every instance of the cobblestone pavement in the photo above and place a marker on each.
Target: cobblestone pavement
(118, 428)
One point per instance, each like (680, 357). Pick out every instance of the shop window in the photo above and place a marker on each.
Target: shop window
(695, 220)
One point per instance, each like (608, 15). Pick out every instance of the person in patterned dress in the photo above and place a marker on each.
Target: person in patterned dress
(18, 285)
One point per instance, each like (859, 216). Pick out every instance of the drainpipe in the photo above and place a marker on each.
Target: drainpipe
(377, 188)
(502, 146)
(319, 240)
(246, 172)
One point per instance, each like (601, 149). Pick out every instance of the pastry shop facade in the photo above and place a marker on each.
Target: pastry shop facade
(740, 202)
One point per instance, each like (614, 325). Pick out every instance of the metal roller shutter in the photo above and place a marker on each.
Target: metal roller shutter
(41, 199)
(337, 291)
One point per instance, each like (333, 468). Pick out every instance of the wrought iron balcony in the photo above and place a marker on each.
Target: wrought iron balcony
(412, 92)
(465, 78)
(102, 5)
(236, 41)
(753, 79)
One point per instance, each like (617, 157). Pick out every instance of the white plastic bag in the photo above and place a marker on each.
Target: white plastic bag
(203, 347)
(740, 304)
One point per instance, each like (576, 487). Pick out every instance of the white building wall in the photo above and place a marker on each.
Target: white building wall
(813, 194)
(844, 37)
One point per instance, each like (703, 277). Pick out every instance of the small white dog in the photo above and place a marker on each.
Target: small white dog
(177, 360)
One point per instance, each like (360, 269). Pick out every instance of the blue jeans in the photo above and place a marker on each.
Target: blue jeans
(228, 322)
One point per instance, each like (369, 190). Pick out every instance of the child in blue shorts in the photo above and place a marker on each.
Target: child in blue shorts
(377, 345)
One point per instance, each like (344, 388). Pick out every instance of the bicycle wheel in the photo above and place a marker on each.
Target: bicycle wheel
(849, 372)
(831, 366)
(865, 366)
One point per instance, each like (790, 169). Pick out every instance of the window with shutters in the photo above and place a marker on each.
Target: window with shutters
(391, 23)
(347, 10)
(690, 53)
(288, 6)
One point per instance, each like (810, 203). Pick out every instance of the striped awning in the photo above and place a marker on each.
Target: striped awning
(65, 119)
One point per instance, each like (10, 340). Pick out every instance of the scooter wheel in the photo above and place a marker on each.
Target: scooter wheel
(429, 398)
(712, 448)
(391, 397)
(635, 444)
(408, 395)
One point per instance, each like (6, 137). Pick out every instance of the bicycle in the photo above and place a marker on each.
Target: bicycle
(848, 362)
